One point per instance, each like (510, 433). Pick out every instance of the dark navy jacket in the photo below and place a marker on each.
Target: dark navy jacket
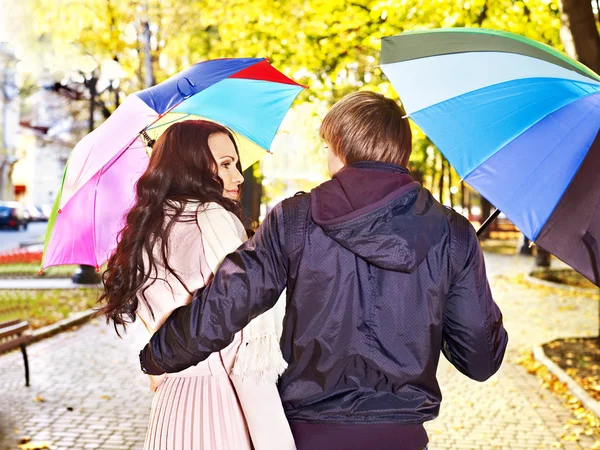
(380, 279)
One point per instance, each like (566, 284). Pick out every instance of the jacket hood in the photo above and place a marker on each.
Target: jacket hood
(379, 213)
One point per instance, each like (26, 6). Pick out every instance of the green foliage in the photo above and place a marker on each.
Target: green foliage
(33, 269)
(332, 46)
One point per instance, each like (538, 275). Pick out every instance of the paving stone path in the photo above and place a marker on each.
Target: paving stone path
(87, 391)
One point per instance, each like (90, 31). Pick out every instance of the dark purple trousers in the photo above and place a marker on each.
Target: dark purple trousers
(327, 436)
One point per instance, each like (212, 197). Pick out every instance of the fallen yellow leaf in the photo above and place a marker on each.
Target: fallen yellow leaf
(34, 446)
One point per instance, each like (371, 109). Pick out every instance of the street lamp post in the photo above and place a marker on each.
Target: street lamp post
(111, 70)
(88, 274)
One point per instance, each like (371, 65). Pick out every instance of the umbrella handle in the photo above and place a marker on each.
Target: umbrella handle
(488, 221)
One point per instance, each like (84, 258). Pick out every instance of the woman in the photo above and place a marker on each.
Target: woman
(185, 220)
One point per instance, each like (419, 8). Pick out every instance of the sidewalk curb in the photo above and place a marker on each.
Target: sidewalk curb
(535, 280)
(580, 393)
(43, 284)
(74, 319)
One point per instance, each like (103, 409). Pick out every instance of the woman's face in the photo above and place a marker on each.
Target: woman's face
(226, 157)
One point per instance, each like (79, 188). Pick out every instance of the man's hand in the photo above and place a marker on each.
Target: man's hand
(156, 381)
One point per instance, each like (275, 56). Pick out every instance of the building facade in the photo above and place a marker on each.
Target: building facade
(9, 119)
(46, 140)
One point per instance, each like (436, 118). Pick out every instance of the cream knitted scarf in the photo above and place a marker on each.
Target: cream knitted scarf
(259, 355)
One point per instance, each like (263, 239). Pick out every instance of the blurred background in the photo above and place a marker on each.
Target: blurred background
(66, 65)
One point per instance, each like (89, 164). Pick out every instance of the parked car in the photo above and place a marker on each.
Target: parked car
(13, 215)
(35, 214)
(46, 211)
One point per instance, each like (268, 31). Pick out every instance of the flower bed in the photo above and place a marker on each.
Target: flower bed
(26, 263)
(21, 256)
(580, 359)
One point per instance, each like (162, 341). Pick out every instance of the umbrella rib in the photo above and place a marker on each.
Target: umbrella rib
(516, 191)
(524, 130)
(155, 125)
(412, 113)
(94, 219)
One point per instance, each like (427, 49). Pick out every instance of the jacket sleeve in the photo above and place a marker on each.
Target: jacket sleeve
(474, 339)
(248, 283)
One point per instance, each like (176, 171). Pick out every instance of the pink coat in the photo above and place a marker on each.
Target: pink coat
(193, 249)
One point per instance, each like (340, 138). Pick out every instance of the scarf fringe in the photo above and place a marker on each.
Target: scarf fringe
(260, 358)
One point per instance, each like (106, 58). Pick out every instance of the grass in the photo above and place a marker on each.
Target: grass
(564, 276)
(500, 246)
(44, 307)
(33, 270)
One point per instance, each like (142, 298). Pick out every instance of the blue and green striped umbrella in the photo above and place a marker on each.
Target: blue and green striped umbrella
(519, 122)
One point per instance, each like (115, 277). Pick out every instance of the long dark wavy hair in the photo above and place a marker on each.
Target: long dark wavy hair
(181, 169)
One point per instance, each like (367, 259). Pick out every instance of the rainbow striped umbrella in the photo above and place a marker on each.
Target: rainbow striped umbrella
(519, 122)
(247, 95)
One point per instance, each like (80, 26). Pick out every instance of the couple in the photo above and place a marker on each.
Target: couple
(380, 280)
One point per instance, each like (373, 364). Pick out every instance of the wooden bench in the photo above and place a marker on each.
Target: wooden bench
(13, 334)
(502, 228)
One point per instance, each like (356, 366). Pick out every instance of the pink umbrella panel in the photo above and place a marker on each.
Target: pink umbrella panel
(247, 95)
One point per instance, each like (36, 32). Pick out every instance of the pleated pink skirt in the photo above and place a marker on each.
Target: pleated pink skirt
(198, 409)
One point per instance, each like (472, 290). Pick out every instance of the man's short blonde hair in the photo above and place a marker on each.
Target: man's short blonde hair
(367, 126)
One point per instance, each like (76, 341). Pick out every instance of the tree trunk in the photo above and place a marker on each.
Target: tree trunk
(441, 184)
(524, 246)
(449, 169)
(579, 34)
(463, 199)
(542, 258)
(149, 79)
(92, 87)
(486, 211)
(252, 195)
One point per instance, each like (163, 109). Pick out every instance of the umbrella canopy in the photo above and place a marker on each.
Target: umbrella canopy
(519, 122)
(247, 95)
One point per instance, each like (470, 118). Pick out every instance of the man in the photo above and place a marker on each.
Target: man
(380, 279)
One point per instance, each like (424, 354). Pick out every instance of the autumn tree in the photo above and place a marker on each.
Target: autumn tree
(332, 46)
(579, 32)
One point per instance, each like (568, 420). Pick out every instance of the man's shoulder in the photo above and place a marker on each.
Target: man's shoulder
(298, 198)
(291, 214)
(291, 205)
(456, 219)
(462, 232)
(458, 224)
